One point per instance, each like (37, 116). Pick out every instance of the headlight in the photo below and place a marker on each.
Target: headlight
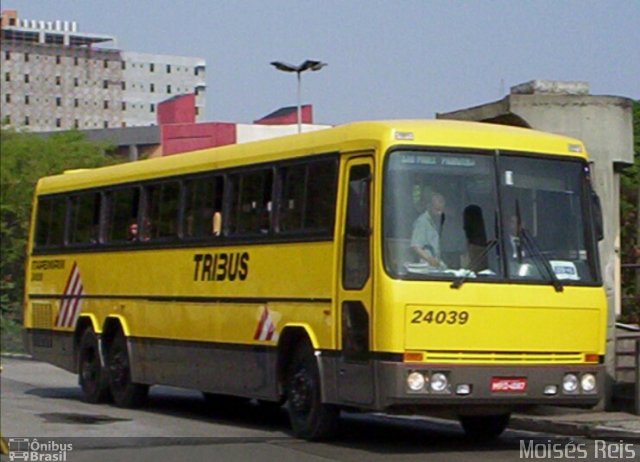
(570, 383)
(588, 382)
(415, 381)
(439, 382)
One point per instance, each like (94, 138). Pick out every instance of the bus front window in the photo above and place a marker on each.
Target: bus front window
(440, 215)
(544, 215)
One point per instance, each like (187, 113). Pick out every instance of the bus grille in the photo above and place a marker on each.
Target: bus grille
(41, 316)
(484, 357)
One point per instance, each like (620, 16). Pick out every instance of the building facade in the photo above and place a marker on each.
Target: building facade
(57, 78)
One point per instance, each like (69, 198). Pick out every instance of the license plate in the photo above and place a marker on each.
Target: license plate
(508, 384)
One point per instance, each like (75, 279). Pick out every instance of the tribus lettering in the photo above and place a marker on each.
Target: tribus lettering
(221, 266)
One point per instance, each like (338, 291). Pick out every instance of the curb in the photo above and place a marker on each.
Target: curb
(591, 430)
(16, 355)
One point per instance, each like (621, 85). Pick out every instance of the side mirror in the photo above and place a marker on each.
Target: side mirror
(598, 222)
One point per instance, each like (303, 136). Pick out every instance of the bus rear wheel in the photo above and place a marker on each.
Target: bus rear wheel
(484, 427)
(310, 418)
(125, 392)
(93, 378)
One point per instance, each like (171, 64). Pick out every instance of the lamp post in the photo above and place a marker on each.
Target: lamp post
(308, 65)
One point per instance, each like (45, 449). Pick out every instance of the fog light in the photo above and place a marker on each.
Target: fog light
(588, 382)
(463, 389)
(439, 382)
(551, 390)
(570, 383)
(415, 381)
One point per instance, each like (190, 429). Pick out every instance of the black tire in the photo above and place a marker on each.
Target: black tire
(484, 427)
(310, 418)
(93, 378)
(125, 393)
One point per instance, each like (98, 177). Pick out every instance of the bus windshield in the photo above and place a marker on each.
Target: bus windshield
(443, 219)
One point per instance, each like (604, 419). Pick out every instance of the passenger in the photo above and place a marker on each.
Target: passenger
(133, 231)
(427, 229)
(474, 230)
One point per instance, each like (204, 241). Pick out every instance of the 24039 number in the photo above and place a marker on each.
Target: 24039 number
(440, 317)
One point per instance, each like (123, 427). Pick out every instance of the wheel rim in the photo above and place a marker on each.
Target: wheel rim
(301, 391)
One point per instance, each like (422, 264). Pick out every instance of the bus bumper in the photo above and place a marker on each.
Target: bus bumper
(511, 386)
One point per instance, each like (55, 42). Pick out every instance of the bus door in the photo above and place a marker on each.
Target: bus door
(355, 371)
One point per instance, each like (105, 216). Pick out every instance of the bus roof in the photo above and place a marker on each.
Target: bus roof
(344, 138)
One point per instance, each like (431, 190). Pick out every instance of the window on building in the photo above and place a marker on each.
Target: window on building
(26, 57)
(124, 85)
(168, 88)
(75, 82)
(7, 98)
(58, 101)
(26, 78)
(197, 110)
(152, 108)
(106, 63)
(152, 67)
(58, 80)
(105, 84)
(152, 88)
(58, 122)
(124, 65)
(105, 124)
(26, 99)
(7, 55)
(124, 106)
(168, 68)
(75, 61)
(58, 59)
(76, 123)
(7, 77)
(26, 120)
(76, 102)
(105, 104)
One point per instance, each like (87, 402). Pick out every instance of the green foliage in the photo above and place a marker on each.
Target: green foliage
(24, 158)
(630, 234)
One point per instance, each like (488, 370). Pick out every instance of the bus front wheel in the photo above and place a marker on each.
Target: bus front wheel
(311, 419)
(125, 392)
(484, 427)
(93, 378)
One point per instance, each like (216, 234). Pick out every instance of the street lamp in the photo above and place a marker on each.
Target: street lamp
(308, 65)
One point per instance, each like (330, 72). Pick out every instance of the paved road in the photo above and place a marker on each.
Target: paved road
(39, 400)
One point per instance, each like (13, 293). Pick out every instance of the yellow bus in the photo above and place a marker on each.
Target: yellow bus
(426, 267)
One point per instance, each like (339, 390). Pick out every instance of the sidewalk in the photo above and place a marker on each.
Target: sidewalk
(579, 422)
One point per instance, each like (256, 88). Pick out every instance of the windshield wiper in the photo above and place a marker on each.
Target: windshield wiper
(457, 282)
(534, 250)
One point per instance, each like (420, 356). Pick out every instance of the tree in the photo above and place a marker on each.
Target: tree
(24, 158)
(630, 227)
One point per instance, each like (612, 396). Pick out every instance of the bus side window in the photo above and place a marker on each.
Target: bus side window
(123, 207)
(203, 201)
(251, 202)
(50, 222)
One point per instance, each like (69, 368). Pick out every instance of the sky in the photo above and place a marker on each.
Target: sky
(387, 59)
